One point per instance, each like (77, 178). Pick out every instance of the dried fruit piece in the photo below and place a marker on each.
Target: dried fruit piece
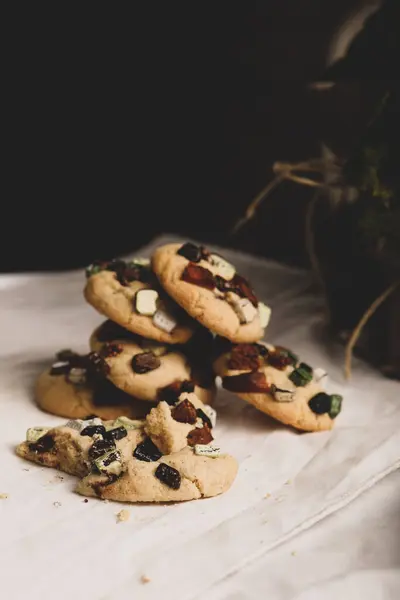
(242, 287)
(244, 357)
(207, 450)
(201, 435)
(111, 350)
(198, 276)
(191, 252)
(146, 302)
(147, 451)
(91, 430)
(44, 444)
(225, 269)
(164, 320)
(320, 403)
(116, 434)
(145, 362)
(293, 358)
(247, 383)
(336, 405)
(168, 475)
(184, 412)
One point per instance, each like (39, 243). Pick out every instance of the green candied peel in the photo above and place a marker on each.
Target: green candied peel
(127, 423)
(336, 405)
(301, 376)
(109, 463)
(35, 433)
(93, 270)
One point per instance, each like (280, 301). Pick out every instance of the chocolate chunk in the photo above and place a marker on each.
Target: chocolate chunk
(66, 355)
(88, 417)
(202, 415)
(198, 276)
(116, 434)
(191, 252)
(247, 383)
(110, 349)
(187, 386)
(199, 435)
(336, 405)
(97, 364)
(170, 393)
(44, 444)
(184, 412)
(147, 451)
(320, 403)
(100, 447)
(90, 430)
(145, 362)
(300, 377)
(60, 368)
(241, 286)
(244, 357)
(168, 475)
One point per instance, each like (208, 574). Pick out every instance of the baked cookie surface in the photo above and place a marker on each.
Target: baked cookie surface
(274, 381)
(143, 367)
(119, 460)
(129, 294)
(209, 290)
(69, 389)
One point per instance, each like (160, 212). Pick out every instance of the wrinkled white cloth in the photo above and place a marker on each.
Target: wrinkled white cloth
(288, 482)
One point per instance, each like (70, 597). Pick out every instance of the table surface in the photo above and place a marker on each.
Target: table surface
(309, 516)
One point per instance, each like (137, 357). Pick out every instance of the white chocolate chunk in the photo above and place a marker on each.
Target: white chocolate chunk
(143, 262)
(321, 376)
(211, 414)
(207, 450)
(34, 433)
(199, 423)
(223, 267)
(244, 309)
(77, 376)
(127, 423)
(60, 364)
(164, 321)
(146, 302)
(264, 312)
(110, 463)
(284, 395)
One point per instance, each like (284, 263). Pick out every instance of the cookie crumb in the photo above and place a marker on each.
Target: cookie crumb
(267, 495)
(145, 579)
(86, 500)
(293, 553)
(123, 515)
(57, 504)
(288, 482)
(3, 496)
(25, 469)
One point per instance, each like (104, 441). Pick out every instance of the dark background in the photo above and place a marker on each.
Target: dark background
(167, 119)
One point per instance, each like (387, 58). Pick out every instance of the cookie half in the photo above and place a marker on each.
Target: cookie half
(71, 389)
(143, 368)
(210, 291)
(277, 383)
(128, 293)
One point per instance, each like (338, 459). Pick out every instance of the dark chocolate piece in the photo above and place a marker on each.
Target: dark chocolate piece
(320, 403)
(90, 430)
(184, 412)
(100, 447)
(147, 451)
(116, 434)
(145, 362)
(202, 415)
(191, 252)
(168, 475)
(61, 369)
(43, 444)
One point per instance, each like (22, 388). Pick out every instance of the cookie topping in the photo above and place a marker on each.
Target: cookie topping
(241, 286)
(100, 447)
(224, 268)
(243, 308)
(211, 414)
(244, 357)
(128, 423)
(110, 463)
(146, 302)
(282, 395)
(202, 415)
(247, 383)
(164, 320)
(320, 375)
(67, 356)
(264, 312)
(184, 412)
(200, 436)
(293, 359)
(191, 252)
(60, 368)
(77, 376)
(168, 475)
(207, 450)
(301, 376)
(170, 393)
(336, 405)
(320, 403)
(44, 444)
(116, 434)
(147, 451)
(91, 430)
(34, 433)
(145, 362)
(125, 272)
(97, 364)
(111, 350)
(198, 276)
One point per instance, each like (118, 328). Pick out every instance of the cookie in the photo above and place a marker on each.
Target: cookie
(143, 367)
(277, 383)
(118, 461)
(209, 290)
(69, 389)
(128, 293)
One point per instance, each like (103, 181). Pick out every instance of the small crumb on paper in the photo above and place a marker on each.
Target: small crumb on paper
(57, 504)
(145, 579)
(267, 495)
(293, 553)
(123, 515)
(288, 482)
(3, 496)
